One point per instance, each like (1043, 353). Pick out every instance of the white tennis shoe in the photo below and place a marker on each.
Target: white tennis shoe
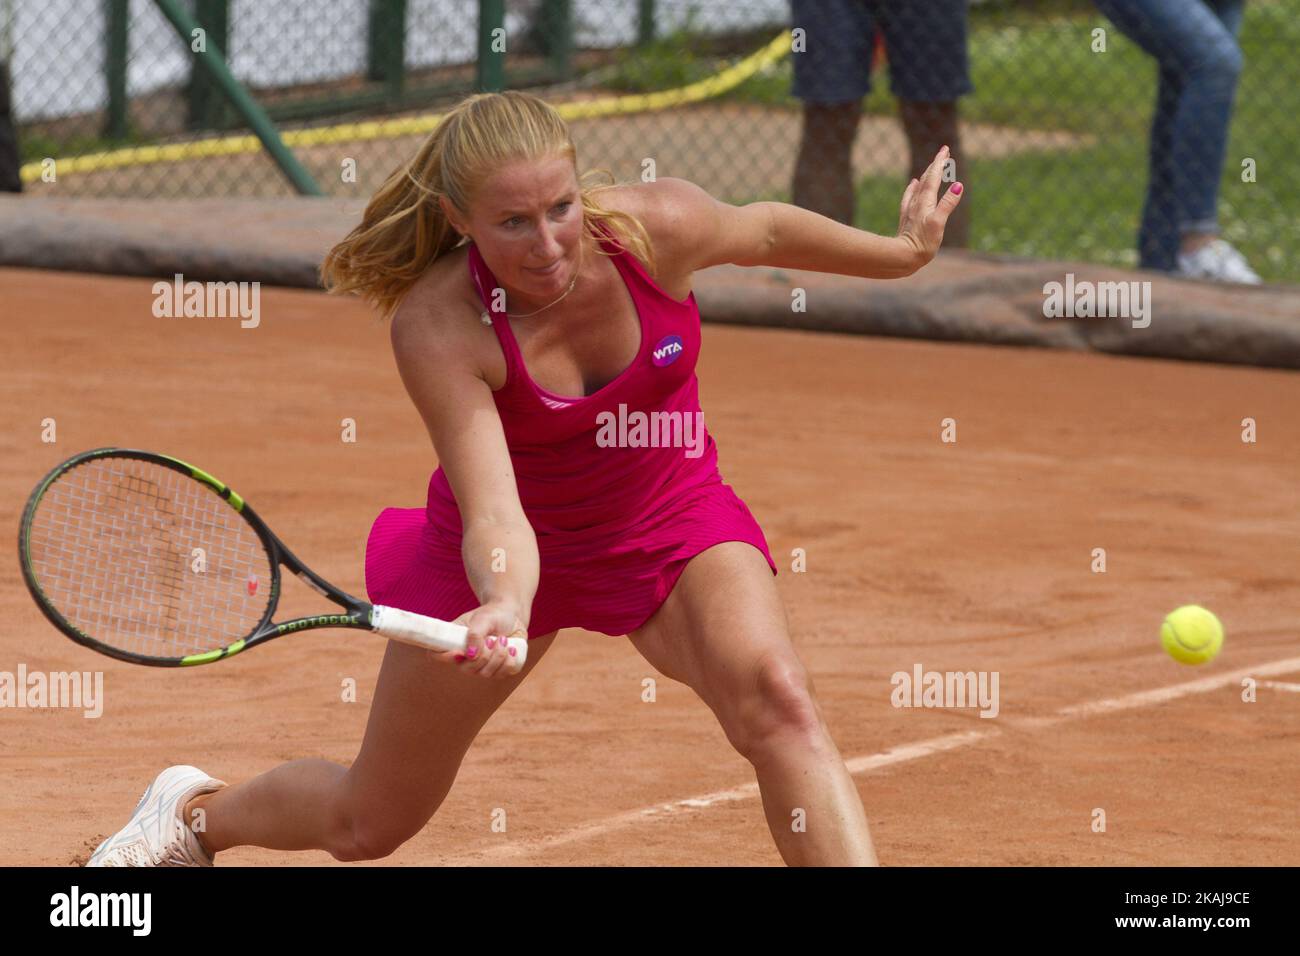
(1217, 260)
(157, 834)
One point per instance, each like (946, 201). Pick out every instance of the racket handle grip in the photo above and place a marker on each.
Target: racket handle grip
(435, 635)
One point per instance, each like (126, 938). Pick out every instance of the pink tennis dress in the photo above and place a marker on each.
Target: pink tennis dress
(621, 487)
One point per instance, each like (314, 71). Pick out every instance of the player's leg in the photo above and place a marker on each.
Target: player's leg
(723, 632)
(424, 717)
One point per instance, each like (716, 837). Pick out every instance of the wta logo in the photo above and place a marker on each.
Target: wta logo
(668, 350)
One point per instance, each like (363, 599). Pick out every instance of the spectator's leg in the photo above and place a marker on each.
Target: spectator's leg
(1195, 44)
(929, 127)
(832, 73)
(1195, 232)
(929, 70)
(823, 172)
(1162, 207)
(10, 162)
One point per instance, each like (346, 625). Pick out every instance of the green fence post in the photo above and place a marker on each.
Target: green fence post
(386, 46)
(118, 15)
(491, 62)
(206, 108)
(212, 61)
(645, 34)
(556, 27)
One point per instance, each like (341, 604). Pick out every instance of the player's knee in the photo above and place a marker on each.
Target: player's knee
(778, 711)
(369, 838)
(362, 834)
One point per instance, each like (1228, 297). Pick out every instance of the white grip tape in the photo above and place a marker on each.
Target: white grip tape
(431, 633)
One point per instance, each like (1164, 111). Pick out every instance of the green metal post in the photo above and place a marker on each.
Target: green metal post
(206, 107)
(118, 16)
(491, 62)
(244, 104)
(646, 23)
(386, 46)
(557, 35)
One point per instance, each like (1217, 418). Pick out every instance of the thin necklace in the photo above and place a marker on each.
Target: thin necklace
(486, 320)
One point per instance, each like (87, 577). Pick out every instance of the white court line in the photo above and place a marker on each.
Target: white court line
(1163, 694)
(1280, 685)
(628, 818)
(865, 764)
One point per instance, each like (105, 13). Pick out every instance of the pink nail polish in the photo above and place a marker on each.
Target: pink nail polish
(956, 189)
(491, 643)
(460, 658)
(472, 653)
(512, 652)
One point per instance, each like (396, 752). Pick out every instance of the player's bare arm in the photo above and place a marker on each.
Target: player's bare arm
(448, 389)
(783, 236)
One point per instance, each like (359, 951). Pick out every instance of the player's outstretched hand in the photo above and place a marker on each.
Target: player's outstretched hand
(922, 215)
(487, 652)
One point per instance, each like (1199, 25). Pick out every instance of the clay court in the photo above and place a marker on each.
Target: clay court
(974, 555)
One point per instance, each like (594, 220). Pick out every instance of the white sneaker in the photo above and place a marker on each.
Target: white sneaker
(1217, 260)
(157, 834)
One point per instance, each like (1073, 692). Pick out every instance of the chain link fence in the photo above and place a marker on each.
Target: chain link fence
(1051, 106)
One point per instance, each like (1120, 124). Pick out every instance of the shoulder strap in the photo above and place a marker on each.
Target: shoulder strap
(485, 282)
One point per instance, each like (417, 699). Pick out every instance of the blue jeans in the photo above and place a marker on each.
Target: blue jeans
(1194, 42)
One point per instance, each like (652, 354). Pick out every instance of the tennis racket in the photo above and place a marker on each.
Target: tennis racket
(148, 559)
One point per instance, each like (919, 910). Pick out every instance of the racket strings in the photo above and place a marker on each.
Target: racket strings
(148, 560)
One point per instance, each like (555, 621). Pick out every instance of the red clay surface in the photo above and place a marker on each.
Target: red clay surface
(967, 556)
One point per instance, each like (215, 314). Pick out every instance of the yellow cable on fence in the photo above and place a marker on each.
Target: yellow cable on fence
(704, 89)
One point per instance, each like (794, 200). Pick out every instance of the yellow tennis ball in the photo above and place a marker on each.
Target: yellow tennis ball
(1192, 635)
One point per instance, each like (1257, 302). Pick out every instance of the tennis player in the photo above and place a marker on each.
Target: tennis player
(529, 312)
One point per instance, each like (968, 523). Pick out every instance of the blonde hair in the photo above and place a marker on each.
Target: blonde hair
(404, 230)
